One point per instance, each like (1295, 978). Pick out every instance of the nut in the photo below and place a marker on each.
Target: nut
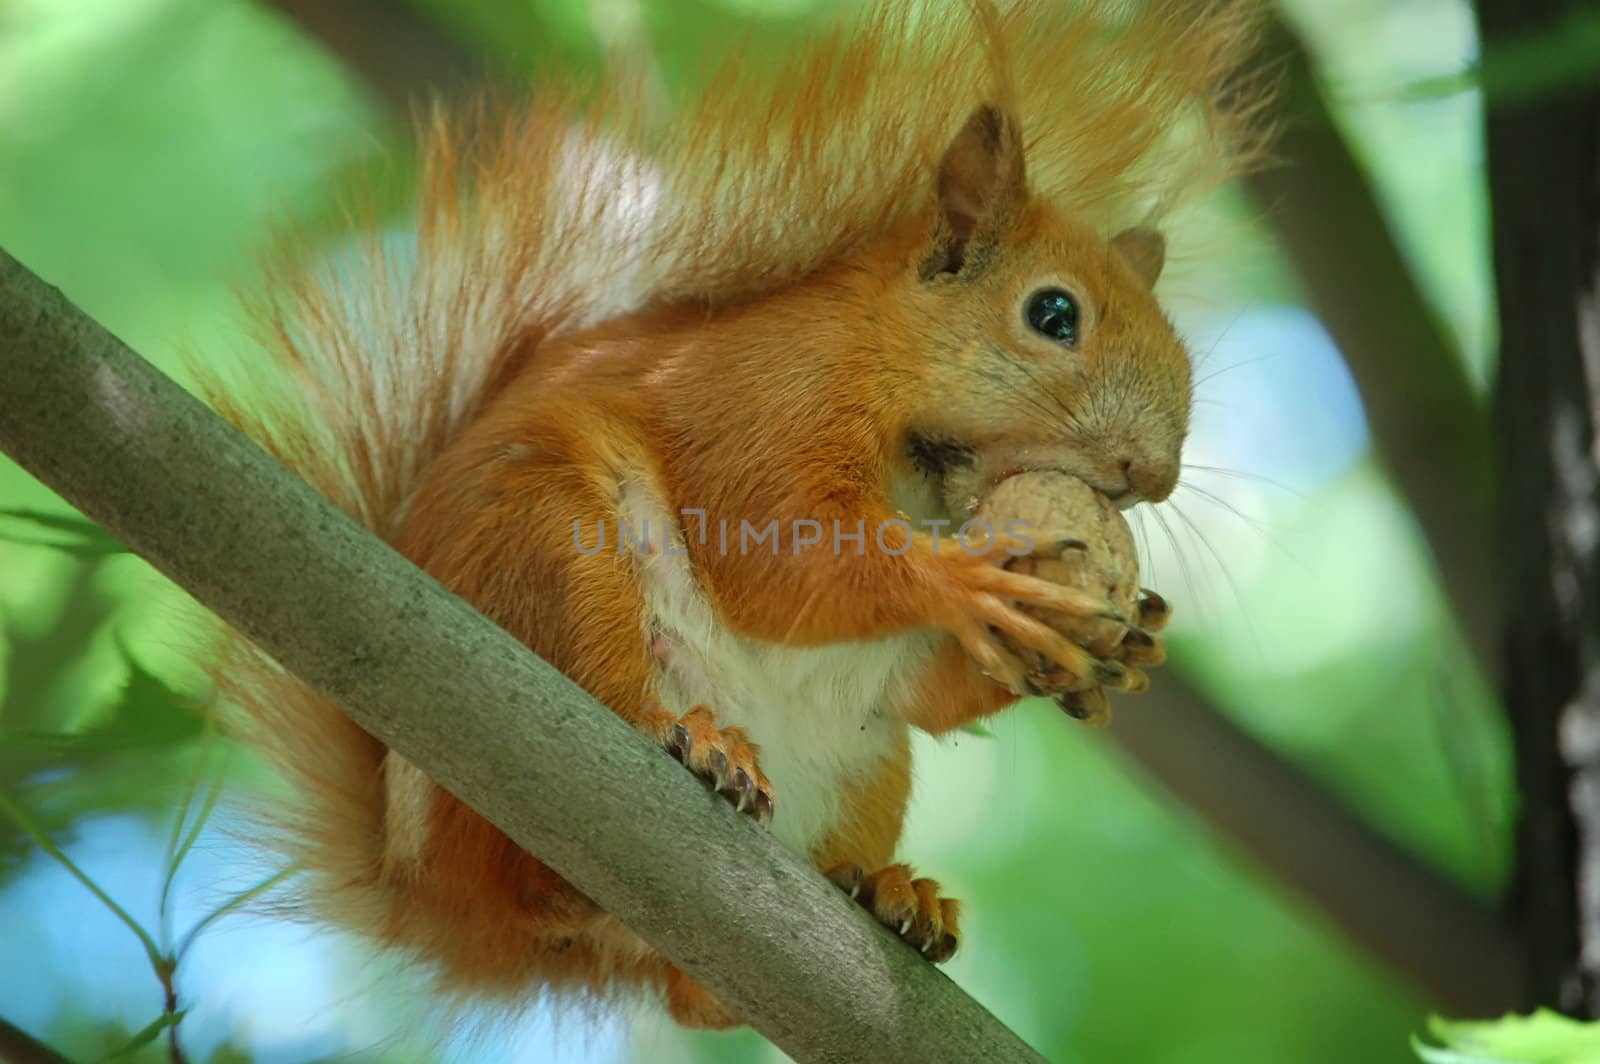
(1098, 557)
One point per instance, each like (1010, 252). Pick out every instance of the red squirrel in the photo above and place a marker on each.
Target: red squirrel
(682, 396)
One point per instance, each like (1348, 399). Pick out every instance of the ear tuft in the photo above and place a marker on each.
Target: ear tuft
(981, 184)
(1143, 248)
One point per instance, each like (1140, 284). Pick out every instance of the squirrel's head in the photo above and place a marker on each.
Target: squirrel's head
(1040, 341)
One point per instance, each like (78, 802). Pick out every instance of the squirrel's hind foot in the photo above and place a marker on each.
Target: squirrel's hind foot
(724, 758)
(911, 908)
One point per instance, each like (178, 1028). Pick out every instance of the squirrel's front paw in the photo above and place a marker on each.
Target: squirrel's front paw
(982, 605)
(1133, 648)
(725, 758)
(911, 908)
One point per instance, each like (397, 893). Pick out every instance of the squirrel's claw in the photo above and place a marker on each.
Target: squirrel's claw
(725, 759)
(847, 877)
(1091, 706)
(911, 908)
(1154, 612)
(994, 613)
(1139, 647)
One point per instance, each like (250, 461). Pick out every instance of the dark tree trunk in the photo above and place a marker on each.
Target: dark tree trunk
(1544, 184)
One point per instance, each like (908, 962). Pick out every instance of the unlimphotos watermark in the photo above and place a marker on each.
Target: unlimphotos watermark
(895, 535)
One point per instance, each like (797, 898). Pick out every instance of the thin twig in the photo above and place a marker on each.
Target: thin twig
(17, 816)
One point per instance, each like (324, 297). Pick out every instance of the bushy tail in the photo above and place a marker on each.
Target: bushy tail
(372, 360)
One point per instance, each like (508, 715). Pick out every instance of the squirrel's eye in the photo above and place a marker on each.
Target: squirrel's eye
(1053, 313)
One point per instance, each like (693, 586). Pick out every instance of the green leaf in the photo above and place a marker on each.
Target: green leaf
(149, 713)
(1545, 1037)
(147, 1034)
(1436, 1055)
(74, 535)
(105, 764)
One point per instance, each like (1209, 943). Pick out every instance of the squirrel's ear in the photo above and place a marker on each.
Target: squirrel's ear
(1143, 248)
(981, 184)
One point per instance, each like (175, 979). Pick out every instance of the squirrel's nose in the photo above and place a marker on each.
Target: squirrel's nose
(1145, 482)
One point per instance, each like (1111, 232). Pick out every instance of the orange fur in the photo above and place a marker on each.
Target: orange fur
(749, 304)
(951, 693)
(874, 809)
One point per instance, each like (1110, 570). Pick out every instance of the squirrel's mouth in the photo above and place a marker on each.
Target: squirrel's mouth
(963, 473)
(938, 457)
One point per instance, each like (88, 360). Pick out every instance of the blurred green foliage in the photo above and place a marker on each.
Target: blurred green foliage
(1542, 1038)
(149, 147)
(1557, 59)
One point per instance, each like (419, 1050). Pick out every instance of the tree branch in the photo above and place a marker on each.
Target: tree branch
(429, 676)
(1380, 898)
(1429, 429)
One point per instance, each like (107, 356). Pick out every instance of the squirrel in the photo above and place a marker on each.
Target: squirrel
(818, 306)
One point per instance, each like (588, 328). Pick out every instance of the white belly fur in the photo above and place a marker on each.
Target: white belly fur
(820, 715)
